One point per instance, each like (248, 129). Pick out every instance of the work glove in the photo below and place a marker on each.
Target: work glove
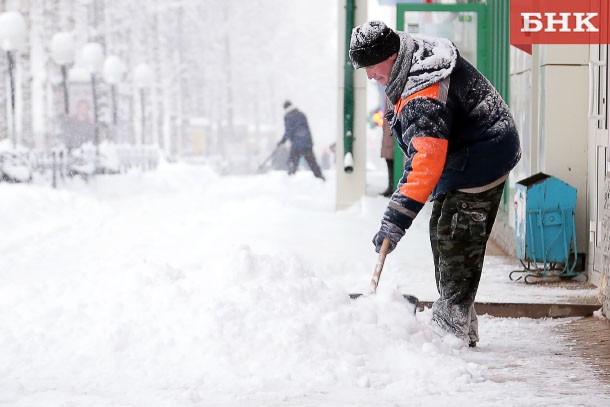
(388, 230)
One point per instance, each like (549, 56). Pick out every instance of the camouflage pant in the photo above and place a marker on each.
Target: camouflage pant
(459, 229)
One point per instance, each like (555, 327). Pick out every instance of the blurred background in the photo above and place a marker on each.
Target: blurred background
(189, 78)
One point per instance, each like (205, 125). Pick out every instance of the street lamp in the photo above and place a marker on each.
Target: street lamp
(113, 72)
(143, 77)
(93, 58)
(13, 35)
(62, 52)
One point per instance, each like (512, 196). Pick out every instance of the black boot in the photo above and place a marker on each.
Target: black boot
(390, 190)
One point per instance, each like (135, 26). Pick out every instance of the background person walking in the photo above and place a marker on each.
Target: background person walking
(296, 130)
(387, 153)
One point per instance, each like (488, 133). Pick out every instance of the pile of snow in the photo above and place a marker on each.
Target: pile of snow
(14, 162)
(179, 287)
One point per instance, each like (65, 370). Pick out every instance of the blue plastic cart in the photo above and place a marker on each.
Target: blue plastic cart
(545, 234)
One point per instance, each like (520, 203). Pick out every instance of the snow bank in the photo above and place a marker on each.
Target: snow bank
(179, 287)
(107, 296)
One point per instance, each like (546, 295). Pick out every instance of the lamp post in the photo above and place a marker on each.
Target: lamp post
(113, 72)
(62, 52)
(12, 37)
(143, 77)
(93, 58)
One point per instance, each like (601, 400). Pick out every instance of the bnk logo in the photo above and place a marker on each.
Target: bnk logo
(566, 22)
(559, 22)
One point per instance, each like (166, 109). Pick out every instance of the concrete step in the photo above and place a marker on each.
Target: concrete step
(517, 310)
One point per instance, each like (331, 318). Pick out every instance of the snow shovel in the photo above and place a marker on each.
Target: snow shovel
(385, 246)
(260, 167)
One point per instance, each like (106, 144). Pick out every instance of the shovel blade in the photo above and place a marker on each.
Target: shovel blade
(411, 299)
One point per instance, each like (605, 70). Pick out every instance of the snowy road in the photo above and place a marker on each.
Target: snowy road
(182, 288)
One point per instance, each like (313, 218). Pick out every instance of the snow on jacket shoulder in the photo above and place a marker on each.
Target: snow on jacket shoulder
(454, 128)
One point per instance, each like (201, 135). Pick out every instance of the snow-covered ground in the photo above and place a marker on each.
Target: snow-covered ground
(179, 287)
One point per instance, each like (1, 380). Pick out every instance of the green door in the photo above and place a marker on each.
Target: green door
(463, 24)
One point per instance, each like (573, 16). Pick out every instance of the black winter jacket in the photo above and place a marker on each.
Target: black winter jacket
(297, 131)
(454, 128)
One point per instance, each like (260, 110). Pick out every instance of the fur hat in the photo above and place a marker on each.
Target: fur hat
(372, 43)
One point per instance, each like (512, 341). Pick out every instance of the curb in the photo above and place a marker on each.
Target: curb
(523, 310)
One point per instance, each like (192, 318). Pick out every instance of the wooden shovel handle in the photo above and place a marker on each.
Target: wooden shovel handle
(383, 251)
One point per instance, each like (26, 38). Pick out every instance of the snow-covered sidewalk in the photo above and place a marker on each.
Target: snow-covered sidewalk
(182, 288)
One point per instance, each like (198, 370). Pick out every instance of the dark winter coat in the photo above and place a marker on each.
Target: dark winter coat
(454, 128)
(387, 142)
(297, 131)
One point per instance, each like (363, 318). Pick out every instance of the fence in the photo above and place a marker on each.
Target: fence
(60, 164)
